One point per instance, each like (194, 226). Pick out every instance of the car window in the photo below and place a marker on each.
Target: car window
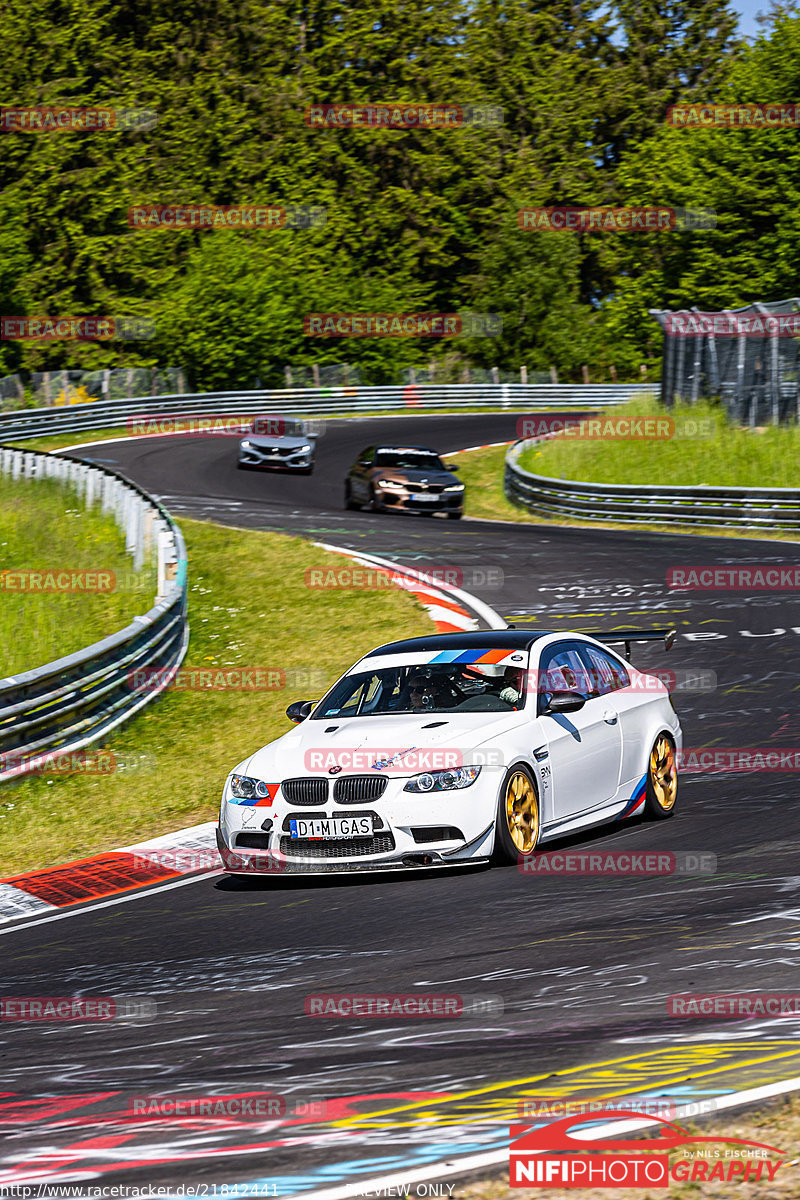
(424, 688)
(606, 674)
(562, 670)
(409, 460)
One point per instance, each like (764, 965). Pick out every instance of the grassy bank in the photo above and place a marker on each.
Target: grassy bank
(250, 608)
(45, 527)
(704, 449)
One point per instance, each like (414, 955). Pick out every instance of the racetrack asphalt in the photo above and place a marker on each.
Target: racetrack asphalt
(582, 965)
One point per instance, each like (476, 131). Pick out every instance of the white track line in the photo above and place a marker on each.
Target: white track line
(497, 1158)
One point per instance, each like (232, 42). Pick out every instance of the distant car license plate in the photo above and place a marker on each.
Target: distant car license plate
(331, 827)
(423, 496)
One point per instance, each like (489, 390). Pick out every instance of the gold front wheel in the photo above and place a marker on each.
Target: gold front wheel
(662, 778)
(518, 819)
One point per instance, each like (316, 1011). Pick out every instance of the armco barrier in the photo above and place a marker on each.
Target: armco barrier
(771, 508)
(67, 704)
(108, 414)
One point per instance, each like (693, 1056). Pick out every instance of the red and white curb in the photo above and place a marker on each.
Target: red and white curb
(189, 852)
(449, 607)
(173, 856)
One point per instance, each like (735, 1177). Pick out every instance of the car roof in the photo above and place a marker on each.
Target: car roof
(490, 639)
(402, 449)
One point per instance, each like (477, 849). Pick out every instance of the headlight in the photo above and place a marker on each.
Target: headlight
(392, 483)
(455, 487)
(245, 788)
(443, 781)
(303, 450)
(245, 445)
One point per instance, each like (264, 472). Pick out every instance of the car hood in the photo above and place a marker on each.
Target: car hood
(393, 743)
(263, 442)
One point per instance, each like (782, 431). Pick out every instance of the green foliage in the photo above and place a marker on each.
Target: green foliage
(418, 219)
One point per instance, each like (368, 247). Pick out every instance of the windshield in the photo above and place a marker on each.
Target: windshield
(447, 688)
(409, 460)
(277, 427)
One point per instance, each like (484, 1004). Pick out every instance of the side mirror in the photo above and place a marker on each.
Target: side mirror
(564, 702)
(365, 462)
(454, 468)
(299, 710)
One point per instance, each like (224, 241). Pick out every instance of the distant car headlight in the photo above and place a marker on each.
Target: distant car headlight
(443, 781)
(393, 484)
(243, 787)
(455, 487)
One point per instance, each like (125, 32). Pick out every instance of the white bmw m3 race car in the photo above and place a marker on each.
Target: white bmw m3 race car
(457, 748)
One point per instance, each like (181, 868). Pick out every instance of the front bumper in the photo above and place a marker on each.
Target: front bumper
(435, 502)
(272, 863)
(276, 462)
(408, 831)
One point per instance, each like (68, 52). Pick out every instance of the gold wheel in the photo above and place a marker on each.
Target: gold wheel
(522, 812)
(663, 773)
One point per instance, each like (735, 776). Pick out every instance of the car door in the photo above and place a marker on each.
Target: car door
(612, 680)
(584, 748)
(359, 474)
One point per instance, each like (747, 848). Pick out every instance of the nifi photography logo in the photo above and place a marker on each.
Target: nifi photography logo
(582, 1159)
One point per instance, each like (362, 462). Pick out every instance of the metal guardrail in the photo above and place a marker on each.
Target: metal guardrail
(71, 702)
(109, 414)
(771, 508)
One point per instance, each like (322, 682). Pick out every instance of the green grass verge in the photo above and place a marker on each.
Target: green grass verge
(705, 448)
(45, 527)
(249, 607)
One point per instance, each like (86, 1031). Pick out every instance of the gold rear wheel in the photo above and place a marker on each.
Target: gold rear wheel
(662, 777)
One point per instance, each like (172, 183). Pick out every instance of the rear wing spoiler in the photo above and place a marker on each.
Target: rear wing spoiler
(628, 636)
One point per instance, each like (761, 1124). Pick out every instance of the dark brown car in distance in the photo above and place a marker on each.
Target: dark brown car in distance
(412, 478)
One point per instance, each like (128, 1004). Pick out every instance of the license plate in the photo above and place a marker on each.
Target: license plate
(423, 496)
(330, 827)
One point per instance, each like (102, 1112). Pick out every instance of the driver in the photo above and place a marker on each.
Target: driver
(426, 693)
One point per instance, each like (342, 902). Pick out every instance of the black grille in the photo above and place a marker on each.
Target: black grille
(253, 841)
(377, 823)
(358, 789)
(436, 833)
(305, 791)
(341, 848)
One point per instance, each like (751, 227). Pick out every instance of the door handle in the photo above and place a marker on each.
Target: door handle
(610, 717)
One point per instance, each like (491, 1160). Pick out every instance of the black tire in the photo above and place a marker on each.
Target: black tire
(661, 789)
(349, 502)
(506, 849)
(374, 503)
(455, 516)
